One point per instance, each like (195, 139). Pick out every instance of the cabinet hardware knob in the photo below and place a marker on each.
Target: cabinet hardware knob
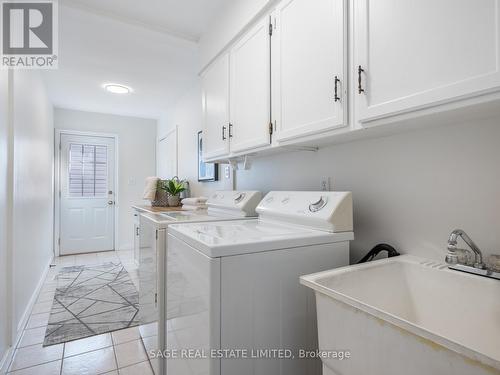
(336, 96)
(360, 86)
(224, 132)
(230, 130)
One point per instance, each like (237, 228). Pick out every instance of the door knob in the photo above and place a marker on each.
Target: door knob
(111, 203)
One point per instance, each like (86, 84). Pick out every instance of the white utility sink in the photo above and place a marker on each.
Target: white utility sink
(407, 315)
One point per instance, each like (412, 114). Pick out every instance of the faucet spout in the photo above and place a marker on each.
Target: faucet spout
(452, 258)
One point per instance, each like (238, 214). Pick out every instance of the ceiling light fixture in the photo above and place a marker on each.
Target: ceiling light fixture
(117, 89)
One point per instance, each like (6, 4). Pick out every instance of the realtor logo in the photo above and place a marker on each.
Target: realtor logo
(29, 34)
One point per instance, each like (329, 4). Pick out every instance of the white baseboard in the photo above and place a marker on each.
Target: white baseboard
(27, 311)
(125, 246)
(4, 363)
(24, 320)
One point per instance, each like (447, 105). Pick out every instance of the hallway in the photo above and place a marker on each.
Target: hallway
(118, 352)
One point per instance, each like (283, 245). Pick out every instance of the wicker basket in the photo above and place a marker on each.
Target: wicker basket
(161, 199)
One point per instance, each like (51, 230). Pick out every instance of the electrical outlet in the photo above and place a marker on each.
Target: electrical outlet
(325, 184)
(227, 172)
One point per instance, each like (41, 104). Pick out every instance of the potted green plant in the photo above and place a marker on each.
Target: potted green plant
(173, 188)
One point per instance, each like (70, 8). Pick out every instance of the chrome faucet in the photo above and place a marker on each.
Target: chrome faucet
(477, 266)
(452, 257)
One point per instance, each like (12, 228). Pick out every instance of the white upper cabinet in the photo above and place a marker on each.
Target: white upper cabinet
(250, 89)
(308, 59)
(415, 54)
(215, 105)
(313, 69)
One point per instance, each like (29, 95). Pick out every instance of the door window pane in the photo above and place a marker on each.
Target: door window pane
(88, 170)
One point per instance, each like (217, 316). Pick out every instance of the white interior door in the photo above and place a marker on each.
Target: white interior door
(417, 54)
(309, 89)
(87, 194)
(251, 89)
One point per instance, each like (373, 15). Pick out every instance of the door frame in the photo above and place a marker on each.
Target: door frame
(167, 134)
(57, 182)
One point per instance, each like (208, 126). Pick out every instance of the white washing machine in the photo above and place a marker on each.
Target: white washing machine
(222, 205)
(235, 286)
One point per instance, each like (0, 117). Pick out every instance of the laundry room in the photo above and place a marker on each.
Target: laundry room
(249, 187)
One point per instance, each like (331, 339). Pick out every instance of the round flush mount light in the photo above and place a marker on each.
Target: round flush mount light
(116, 88)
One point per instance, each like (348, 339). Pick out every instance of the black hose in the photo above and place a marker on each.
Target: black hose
(391, 252)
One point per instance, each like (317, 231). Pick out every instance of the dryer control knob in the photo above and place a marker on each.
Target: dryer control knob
(318, 205)
(239, 197)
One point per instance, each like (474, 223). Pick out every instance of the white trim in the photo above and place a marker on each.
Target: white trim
(57, 182)
(168, 133)
(27, 311)
(125, 247)
(6, 360)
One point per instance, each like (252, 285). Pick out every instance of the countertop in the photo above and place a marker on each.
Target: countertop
(151, 209)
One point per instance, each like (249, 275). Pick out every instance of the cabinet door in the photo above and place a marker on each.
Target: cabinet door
(215, 98)
(251, 89)
(148, 310)
(308, 61)
(418, 54)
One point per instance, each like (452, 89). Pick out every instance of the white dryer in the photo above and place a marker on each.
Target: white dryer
(233, 292)
(222, 205)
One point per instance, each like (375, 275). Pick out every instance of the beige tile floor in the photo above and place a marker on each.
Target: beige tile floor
(120, 352)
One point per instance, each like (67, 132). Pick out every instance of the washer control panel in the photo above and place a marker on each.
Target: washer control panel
(240, 203)
(323, 210)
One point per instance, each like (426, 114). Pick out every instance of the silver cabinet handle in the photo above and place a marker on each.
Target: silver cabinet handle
(360, 86)
(336, 95)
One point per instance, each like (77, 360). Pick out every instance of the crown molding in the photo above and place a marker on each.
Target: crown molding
(76, 4)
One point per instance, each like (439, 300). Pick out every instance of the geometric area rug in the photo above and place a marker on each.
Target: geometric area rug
(90, 300)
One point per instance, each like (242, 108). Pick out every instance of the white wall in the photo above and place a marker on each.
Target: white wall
(136, 153)
(188, 117)
(410, 190)
(33, 150)
(4, 177)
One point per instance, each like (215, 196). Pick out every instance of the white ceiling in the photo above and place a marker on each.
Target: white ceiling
(150, 47)
(185, 18)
